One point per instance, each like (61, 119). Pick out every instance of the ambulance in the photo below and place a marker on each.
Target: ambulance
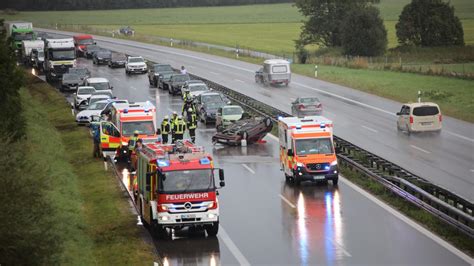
(126, 118)
(307, 151)
(174, 188)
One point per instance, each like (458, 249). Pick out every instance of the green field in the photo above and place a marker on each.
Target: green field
(268, 28)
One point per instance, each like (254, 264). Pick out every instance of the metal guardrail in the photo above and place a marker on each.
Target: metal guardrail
(440, 202)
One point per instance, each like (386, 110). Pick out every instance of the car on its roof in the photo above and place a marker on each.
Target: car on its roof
(82, 95)
(228, 115)
(251, 130)
(98, 83)
(84, 117)
(306, 106)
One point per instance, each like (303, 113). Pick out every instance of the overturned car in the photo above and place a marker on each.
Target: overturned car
(249, 129)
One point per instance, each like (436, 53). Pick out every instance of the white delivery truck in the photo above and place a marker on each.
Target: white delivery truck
(27, 49)
(60, 55)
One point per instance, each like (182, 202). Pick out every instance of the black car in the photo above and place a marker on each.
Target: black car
(70, 81)
(117, 60)
(82, 72)
(251, 130)
(91, 49)
(127, 31)
(208, 103)
(102, 57)
(157, 72)
(176, 82)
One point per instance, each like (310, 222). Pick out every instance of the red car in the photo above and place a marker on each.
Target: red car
(251, 130)
(80, 43)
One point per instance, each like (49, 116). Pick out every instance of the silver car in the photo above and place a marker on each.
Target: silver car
(306, 106)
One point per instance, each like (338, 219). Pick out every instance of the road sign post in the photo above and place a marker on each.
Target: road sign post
(316, 71)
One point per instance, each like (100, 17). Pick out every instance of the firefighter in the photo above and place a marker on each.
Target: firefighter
(133, 158)
(178, 129)
(192, 124)
(165, 129)
(189, 103)
(186, 94)
(132, 141)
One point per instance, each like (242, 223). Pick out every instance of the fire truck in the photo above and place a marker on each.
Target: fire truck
(175, 187)
(307, 151)
(130, 117)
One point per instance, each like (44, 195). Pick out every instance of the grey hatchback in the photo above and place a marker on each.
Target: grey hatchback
(306, 106)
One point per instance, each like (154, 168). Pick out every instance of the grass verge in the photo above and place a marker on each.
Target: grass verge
(422, 217)
(96, 224)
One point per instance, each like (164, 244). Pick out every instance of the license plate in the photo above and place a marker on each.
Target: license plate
(426, 123)
(319, 177)
(188, 216)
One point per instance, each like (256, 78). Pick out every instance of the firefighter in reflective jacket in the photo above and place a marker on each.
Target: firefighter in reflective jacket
(165, 129)
(191, 123)
(132, 141)
(186, 95)
(174, 118)
(189, 103)
(178, 129)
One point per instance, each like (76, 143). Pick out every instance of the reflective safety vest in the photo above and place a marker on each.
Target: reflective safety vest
(132, 141)
(179, 127)
(192, 123)
(173, 121)
(186, 95)
(165, 127)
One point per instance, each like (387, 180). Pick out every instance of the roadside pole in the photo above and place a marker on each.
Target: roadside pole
(316, 71)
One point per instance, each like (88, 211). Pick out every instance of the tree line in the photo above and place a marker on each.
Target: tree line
(33, 5)
(357, 27)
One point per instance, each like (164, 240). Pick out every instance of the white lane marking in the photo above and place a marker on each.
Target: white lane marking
(232, 247)
(248, 168)
(370, 129)
(459, 136)
(214, 73)
(287, 201)
(337, 245)
(133, 88)
(151, 98)
(420, 149)
(472, 170)
(238, 80)
(114, 42)
(408, 221)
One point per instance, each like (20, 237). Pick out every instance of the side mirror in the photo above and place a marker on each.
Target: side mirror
(75, 93)
(111, 87)
(222, 184)
(290, 152)
(399, 113)
(221, 175)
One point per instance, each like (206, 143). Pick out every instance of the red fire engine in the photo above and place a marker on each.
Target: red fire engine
(175, 187)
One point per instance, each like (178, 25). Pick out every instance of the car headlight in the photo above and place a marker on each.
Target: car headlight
(124, 143)
(210, 204)
(300, 164)
(334, 163)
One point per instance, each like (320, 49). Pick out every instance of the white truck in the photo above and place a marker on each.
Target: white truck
(60, 55)
(27, 49)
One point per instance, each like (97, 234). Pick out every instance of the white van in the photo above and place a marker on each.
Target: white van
(273, 72)
(419, 117)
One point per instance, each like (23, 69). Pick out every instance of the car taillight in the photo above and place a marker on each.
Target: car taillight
(411, 119)
(301, 106)
(319, 106)
(440, 117)
(212, 205)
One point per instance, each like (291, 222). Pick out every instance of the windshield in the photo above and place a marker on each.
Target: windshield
(79, 71)
(198, 88)
(96, 105)
(63, 54)
(143, 128)
(92, 48)
(85, 91)
(100, 86)
(86, 41)
(104, 54)
(104, 92)
(163, 68)
(211, 98)
(214, 105)
(309, 100)
(186, 181)
(279, 69)
(180, 78)
(232, 111)
(69, 76)
(17, 36)
(135, 60)
(313, 146)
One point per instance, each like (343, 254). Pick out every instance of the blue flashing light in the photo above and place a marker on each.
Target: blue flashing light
(125, 111)
(280, 117)
(163, 163)
(298, 126)
(205, 160)
(322, 125)
(326, 167)
(146, 110)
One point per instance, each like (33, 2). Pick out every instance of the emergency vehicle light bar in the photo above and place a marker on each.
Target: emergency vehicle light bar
(205, 160)
(163, 163)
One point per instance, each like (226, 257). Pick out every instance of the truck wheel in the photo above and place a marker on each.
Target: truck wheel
(212, 229)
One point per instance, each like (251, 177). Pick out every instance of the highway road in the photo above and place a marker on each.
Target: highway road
(446, 159)
(265, 221)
